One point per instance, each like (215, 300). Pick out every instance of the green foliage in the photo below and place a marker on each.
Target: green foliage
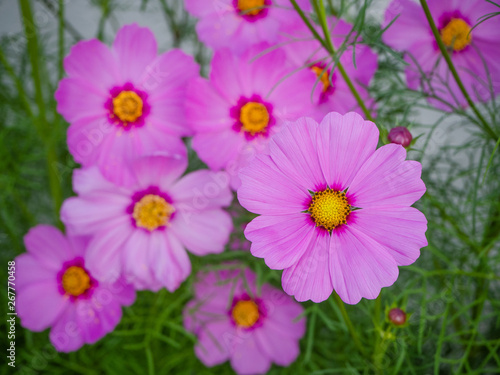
(452, 291)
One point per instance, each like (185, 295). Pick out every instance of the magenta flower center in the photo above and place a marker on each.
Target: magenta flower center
(245, 313)
(329, 208)
(254, 117)
(151, 212)
(75, 281)
(127, 106)
(456, 34)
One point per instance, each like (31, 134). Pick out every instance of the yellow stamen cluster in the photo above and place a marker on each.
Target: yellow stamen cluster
(250, 7)
(75, 281)
(329, 208)
(152, 212)
(323, 76)
(127, 106)
(245, 313)
(254, 117)
(456, 34)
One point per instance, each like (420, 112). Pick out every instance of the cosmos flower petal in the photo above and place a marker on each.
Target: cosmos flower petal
(38, 297)
(344, 144)
(247, 357)
(135, 49)
(295, 233)
(277, 193)
(359, 266)
(293, 150)
(153, 170)
(211, 348)
(204, 232)
(387, 179)
(48, 245)
(66, 335)
(310, 277)
(282, 352)
(136, 261)
(219, 149)
(92, 62)
(401, 230)
(94, 321)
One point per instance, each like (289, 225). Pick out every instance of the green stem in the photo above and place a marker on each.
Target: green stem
(350, 326)
(43, 126)
(60, 15)
(454, 72)
(328, 45)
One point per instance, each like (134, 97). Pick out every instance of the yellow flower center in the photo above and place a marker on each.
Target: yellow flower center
(456, 34)
(152, 212)
(127, 106)
(323, 76)
(75, 281)
(245, 313)
(254, 117)
(250, 7)
(329, 208)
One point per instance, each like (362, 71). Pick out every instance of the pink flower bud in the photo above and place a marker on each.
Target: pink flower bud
(400, 135)
(397, 316)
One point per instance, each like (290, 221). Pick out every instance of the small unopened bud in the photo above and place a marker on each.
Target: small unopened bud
(400, 135)
(397, 316)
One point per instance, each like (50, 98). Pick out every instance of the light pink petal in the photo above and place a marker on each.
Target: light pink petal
(49, 246)
(247, 357)
(135, 259)
(212, 348)
(218, 149)
(78, 99)
(359, 266)
(90, 180)
(344, 144)
(122, 292)
(66, 334)
(93, 62)
(294, 152)
(387, 179)
(29, 270)
(104, 254)
(168, 259)
(97, 317)
(267, 191)
(310, 277)
(219, 29)
(203, 232)
(280, 348)
(202, 8)
(280, 240)
(161, 169)
(201, 190)
(88, 215)
(39, 304)
(206, 109)
(401, 230)
(135, 48)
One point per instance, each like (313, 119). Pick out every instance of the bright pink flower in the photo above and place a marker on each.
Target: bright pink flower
(244, 102)
(335, 212)
(331, 92)
(476, 55)
(55, 289)
(124, 102)
(142, 230)
(235, 322)
(238, 24)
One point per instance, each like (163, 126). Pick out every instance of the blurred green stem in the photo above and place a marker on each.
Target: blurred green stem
(454, 72)
(43, 127)
(328, 45)
(350, 326)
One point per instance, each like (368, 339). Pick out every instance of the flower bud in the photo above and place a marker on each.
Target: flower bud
(397, 316)
(400, 135)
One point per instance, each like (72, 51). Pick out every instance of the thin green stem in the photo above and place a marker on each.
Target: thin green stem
(328, 45)
(43, 126)
(350, 326)
(60, 15)
(454, 72)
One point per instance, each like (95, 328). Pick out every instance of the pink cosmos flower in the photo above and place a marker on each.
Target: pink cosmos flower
(244, 102)
(474, 52)
(331, 92)
(125, 101)
(335, 212)
(238, 24)
(235, 322)
(55, 289)
(142, 230)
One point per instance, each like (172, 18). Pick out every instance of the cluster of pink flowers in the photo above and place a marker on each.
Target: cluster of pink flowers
(275, 121)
